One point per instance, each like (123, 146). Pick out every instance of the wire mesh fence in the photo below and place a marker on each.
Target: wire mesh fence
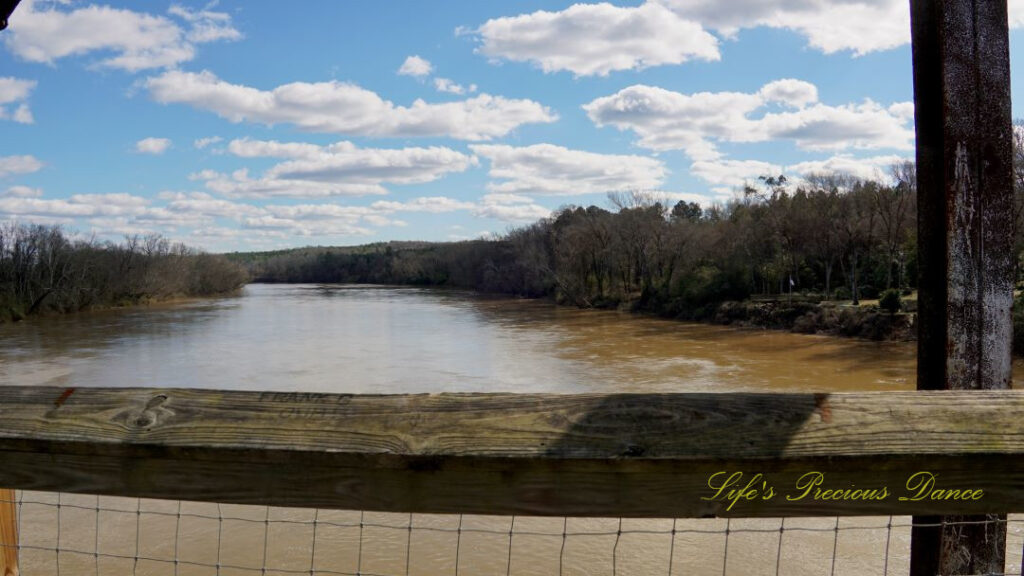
(76, 534)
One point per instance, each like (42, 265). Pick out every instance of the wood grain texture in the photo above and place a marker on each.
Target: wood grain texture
(965, 234)
(8, 533)
(631, 455)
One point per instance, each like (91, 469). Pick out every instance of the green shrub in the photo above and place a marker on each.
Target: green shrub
(841, 293)
(890, 301)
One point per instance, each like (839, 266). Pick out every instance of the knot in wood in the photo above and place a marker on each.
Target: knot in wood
(149, 415)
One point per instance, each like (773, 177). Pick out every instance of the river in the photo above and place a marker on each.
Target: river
(364, 339)
(372, 339)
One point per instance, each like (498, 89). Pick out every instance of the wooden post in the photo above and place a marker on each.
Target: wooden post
(965, 205)
(8, 534)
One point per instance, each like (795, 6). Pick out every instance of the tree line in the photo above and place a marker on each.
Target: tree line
(831, 237)
(43, 269)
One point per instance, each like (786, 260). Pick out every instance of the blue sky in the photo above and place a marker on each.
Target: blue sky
(239, 125)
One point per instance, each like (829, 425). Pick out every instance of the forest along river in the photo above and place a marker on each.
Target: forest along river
(371, 339)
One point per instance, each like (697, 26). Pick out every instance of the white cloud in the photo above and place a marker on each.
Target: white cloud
(154, 146)
(129, 40)
(205, 25)
(733, 173)
(22, 192)
(429, 204)
(596, 39)
(736, 173)
(19, 165)
(238, 184)
(202, 217)
(337, 169)
(446, 85)
(510, 208)
(634, 37)
(246, 148)
(666, 120)
(415, 66)
(15, 91)
(860, 26)
(790, 92)
(198, 214)
(203, 204)
(346, 108)
(80, 205)
(550, 169)
(201, 143)
(871, 168)
(400, 166)
(903, 110)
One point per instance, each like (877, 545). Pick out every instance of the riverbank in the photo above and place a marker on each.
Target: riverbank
(867, 321)
(529, 264)
(46, 271)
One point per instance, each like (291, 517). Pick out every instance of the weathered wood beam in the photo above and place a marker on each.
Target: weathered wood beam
(965, 246)
(633, 455)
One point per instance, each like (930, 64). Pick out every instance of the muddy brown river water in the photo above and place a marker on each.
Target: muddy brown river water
(363, 339)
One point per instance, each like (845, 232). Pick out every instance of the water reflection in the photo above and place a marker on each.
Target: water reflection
(386, 339)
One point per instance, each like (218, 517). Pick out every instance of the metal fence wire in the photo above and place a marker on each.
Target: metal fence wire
(75, 534)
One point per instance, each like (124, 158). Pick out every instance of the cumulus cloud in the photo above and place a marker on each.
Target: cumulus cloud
(200, 203)
(446, 85)
(155, 146)
(859, 26)
(339, 169)
(398, 166)
(202, 217)
(870, 168)
(415, 66)
(428, 204)
(22, 192)
(129, 40)
(510, 208)
(206, 25)
(733, 173)
(790, 92)
(239, 184)
(550, 169)
(596, 39)
(14, 93)
(346, 108)
(667, 120)
(24, 164)
(79, 205)
(201, 143)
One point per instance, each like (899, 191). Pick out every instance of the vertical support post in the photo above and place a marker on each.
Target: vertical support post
(8, 534)
(965, 205)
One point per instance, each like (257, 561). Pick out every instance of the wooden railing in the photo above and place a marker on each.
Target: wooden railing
(626, 455)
